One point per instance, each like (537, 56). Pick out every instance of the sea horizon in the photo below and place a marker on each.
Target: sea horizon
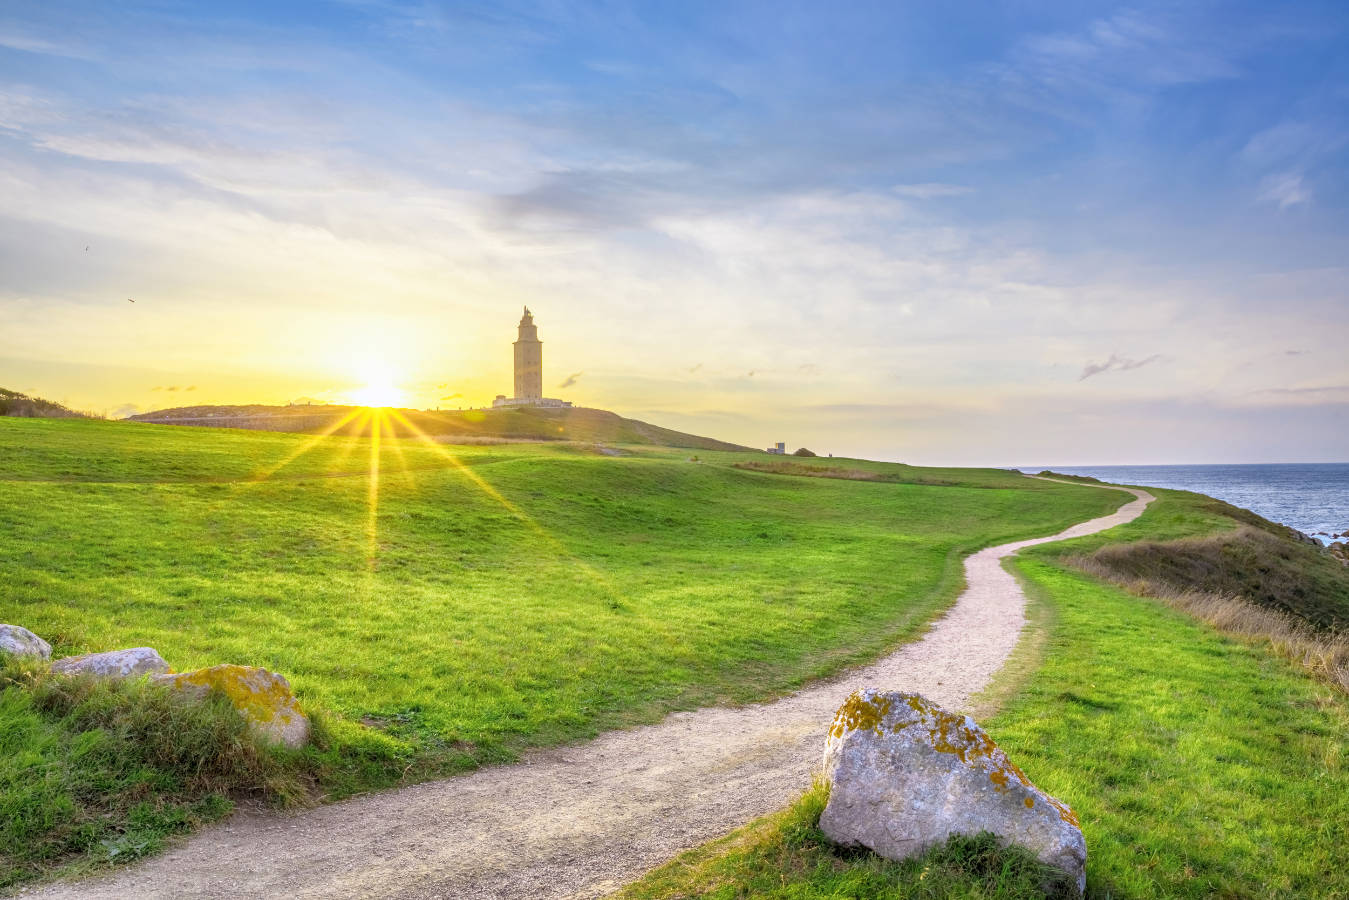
(1310, 497)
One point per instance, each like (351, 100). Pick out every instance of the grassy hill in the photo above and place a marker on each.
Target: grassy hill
(1259, 564)
(13, 403)
(522, 423)
(436, 606)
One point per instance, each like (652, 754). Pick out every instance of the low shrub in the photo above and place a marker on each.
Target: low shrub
(104, 770)
(13, 403)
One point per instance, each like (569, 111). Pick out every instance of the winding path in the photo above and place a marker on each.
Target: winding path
(580, 821)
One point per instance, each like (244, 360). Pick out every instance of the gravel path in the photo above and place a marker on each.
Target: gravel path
(580, 821)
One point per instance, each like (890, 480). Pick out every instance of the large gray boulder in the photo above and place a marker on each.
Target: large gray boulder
(905, 775)
(263, 698)
(113, 664)
(19, 641)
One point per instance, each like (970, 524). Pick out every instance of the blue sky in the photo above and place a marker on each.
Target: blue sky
(992, 233)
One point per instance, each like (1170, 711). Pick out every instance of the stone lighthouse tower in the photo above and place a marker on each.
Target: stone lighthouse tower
(528, 362)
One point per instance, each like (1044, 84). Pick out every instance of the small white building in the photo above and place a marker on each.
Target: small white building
(780, 449)
(502, 400)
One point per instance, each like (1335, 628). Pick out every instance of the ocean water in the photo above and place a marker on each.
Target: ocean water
(1311, 497)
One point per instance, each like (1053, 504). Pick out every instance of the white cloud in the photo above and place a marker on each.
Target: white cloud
(29, 43)
(1124, 52)
(931, 189)
(1285, 189)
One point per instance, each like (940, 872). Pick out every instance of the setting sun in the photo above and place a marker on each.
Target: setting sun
(378, 393)
(379, 389)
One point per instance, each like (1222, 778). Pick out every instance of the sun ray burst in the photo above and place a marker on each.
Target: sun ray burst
(520, 515)
(372, 489)
(378, 426)
(305, 446)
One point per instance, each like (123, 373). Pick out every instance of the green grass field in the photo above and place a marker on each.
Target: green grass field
(471, 602)
(1199, 765)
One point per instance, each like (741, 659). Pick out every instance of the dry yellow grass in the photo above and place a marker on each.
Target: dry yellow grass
(1323, 653)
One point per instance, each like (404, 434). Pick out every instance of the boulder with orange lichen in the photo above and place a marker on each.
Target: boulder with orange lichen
(905, 775)
(263, 698)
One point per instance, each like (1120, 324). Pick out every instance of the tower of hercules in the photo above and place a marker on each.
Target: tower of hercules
(529, 371)
(528, 361)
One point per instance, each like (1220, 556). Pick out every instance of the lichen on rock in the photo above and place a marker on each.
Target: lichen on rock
(906, 774)
(263, 698)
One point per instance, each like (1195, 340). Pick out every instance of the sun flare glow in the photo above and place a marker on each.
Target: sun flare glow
(377, 394)
(379, 389)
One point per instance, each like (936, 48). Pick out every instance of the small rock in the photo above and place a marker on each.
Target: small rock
(19, 641)
(262, 697)
(113, 664)
(1301, 537)
(906, 774)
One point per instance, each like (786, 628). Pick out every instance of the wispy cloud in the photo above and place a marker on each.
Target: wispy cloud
(1307, 391)
(571, 379)
(28, 43)
(931, 189)
(1285, 189)
(1296, 142)
(1116, 363)
(1128, 48)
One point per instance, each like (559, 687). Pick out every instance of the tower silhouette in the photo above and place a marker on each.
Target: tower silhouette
(528, 361)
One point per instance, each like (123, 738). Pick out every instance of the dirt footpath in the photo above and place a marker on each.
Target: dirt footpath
(581, 821)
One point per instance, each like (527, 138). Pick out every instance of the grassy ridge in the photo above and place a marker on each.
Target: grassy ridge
(484, 599)
(1189, 542)
(1200, 765)
(1293, 578)
(519, 423)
